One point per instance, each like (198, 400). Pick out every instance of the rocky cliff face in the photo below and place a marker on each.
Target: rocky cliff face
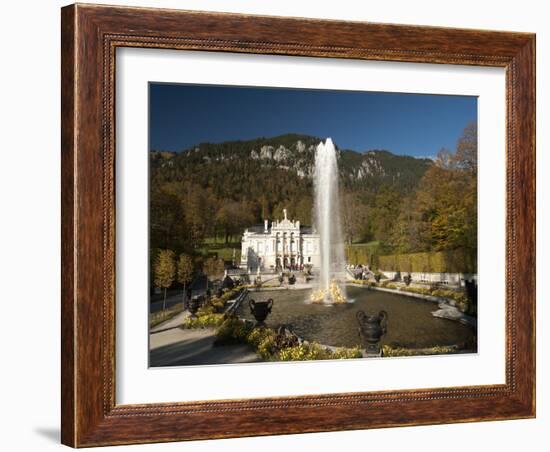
(295, 154)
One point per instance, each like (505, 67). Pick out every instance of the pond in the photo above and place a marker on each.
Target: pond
(410, 322)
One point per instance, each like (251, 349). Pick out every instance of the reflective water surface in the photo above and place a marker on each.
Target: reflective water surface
(410, 322)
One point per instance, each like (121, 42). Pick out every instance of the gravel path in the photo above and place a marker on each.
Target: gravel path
(174, 322)
(177, 347)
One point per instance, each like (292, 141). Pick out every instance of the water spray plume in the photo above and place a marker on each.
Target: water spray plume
(327, 224)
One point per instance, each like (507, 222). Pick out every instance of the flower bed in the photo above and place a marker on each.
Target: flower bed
(311, 351)
(389, 351)
(272, 346)
(211, 315)
(206, 317)
(219, 302)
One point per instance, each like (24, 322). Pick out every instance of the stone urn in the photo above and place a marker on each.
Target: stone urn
(260, 310)
(258, 281)
(371, 330)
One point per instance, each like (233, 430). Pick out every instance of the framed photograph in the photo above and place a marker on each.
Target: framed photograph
(282, 225)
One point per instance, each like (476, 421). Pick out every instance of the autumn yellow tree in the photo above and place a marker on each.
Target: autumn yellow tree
(214, 268)
(443, 214)
(165, 271)
(184, 271)
(466, 149)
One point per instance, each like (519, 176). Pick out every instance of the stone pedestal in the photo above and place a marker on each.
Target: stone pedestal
(372, 354)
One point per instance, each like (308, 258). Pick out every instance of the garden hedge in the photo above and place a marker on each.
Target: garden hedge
(457, 261)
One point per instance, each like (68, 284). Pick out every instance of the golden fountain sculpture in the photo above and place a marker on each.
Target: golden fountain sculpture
(332, 295)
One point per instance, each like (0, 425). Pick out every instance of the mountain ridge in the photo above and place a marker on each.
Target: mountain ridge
(277, 138)
(296, 153)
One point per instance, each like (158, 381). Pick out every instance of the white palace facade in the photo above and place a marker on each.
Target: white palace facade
(284, 245)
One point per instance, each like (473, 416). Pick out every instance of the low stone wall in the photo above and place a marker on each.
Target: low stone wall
(445, 279)
(234, 304)
(399, 292)
(446, 308)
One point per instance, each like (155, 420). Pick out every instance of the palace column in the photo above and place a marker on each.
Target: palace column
(284, 248)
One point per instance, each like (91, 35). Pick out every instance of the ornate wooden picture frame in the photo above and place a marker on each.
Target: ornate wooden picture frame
(90, 37)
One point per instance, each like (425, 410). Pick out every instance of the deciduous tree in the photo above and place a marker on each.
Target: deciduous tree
(165, 271)
(466, 149)
(213, 267)
(185, 271)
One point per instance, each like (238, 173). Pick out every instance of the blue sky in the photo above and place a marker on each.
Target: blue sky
(412, 124)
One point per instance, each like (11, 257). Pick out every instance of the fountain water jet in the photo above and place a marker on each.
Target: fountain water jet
(327, 222)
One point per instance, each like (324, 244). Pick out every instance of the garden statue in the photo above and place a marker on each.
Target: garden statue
(407, 279)
(260, 310)
(371, 330)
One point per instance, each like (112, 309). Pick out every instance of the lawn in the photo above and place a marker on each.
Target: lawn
(217, 246)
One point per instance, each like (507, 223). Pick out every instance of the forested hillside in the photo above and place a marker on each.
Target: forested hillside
(406, 203)
(220, 188)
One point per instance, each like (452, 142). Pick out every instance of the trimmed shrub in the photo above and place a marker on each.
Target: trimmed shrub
(363, 253)
(456, 261)
(363, 282)
(387, 284)
(418, 290)
(460, 298)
